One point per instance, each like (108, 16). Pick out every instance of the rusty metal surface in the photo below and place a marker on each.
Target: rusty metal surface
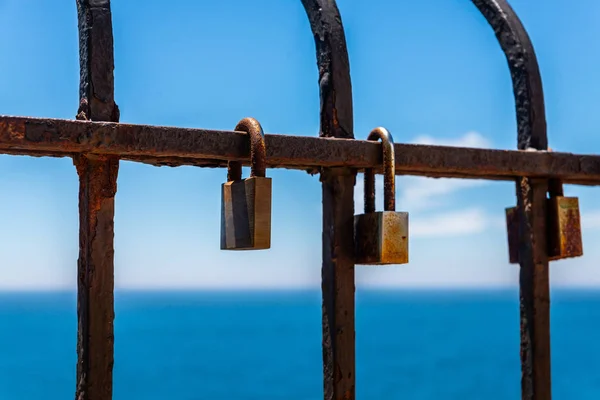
(97, 189)
(97, 147)
(381, 238)
(564, 228)
(209, 148)
(258, 162)
(563, 225)
(524, 71)
(389, 162)
(95, 309)
(531, 199)
(336, 120)
(246, 204)
(534, 291)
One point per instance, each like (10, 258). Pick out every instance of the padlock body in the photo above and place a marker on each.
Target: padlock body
(563, 226)
(246, 214)
(381, 238)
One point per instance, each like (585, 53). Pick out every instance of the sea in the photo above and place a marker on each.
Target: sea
(417, 345)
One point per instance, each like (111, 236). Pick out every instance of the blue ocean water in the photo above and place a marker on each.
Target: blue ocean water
(246, 346)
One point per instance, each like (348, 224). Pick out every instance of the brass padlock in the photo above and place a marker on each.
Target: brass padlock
(246, 203)
(563, 226)
(381, 237)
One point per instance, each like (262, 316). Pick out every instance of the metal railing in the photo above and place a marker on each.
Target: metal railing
(97, 141)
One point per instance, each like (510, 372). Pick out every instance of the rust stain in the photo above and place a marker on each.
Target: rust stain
(569, 229)
(572, 233)
(17, 130)
(258, 149)
(212, 148)
(12, 129)
(336, 123)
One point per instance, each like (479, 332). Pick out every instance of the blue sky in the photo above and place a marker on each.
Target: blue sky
(431, 72)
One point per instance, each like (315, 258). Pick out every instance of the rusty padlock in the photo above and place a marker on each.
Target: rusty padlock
(246, 203)
(381, 237)
(563, 226)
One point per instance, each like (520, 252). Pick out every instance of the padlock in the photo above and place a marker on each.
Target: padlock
(246, 203)
(563, 226)
(381, 237)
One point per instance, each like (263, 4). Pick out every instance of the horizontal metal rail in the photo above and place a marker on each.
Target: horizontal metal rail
(213, 148)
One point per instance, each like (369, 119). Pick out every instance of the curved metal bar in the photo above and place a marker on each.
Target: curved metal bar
(335, 87)
(258, 151)
(526, 78)
(531, 199)
(524, 71)
(336, 120)
(389, 176)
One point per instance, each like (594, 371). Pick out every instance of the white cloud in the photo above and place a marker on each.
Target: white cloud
(417, 193)
(475, 220)
(455, 223)
(421, 193)
(469, 139)
(590, 220)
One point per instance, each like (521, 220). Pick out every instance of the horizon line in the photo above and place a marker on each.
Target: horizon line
(297, 289)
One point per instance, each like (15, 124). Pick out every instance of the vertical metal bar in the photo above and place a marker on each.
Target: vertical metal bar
(531, 199)
(338, 203)
(534, 291)
(97, 189)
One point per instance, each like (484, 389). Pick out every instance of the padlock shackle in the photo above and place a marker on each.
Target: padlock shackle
(389, 173)
(258, 151)
(555, 186)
